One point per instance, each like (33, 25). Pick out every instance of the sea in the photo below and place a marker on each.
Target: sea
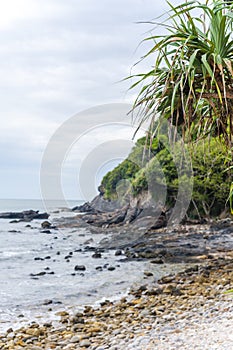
(37, 269)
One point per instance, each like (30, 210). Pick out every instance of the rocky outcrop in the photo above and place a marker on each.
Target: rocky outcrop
(26, 215)
(105, 213)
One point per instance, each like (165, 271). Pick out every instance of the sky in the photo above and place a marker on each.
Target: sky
(57, 59)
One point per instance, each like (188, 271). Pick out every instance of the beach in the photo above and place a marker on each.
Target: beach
(116, 287)
(188, 310)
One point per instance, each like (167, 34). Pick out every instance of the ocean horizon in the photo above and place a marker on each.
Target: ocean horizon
(17, 204)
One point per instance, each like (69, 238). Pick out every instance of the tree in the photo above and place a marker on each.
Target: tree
(191, 83)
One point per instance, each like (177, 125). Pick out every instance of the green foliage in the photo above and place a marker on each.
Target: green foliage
(125, 170)
(159, 176)
(130, 167)
(191, 81)
(211, 181)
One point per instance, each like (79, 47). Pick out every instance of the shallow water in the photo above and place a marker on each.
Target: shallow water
(28, 296)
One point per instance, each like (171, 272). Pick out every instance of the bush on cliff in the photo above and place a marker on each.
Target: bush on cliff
(211, 181)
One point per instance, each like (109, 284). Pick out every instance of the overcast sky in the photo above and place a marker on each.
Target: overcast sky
(58, 58)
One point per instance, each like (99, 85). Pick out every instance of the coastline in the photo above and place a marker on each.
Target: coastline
(184, 310)
(189, 310)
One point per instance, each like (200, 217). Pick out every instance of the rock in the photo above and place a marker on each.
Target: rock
(85, 343)
(46, 231)
(118, 252)
(111, 268)
(97, 255)
(157, 261)
(74, 339)
(62, 314)
(148, 273)
(99, 268)
(46, 224)
(42, 273)
(33, 331)
(80, 268)
(84, 208)
(26, 215)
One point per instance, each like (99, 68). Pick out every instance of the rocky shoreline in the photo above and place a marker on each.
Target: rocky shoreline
(173, 312)
(141, 231)
(189, 310)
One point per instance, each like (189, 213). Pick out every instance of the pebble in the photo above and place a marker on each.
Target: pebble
(80, 268)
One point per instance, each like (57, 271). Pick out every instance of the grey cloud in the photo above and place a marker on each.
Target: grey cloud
(65, 57)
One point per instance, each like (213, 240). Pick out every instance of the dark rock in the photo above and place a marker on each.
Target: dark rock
(99, 268)
(38, 274)
(157, 261)
(10, 330)
(26, 215)
(148, 273)
(118, 252)
(46, 224)
(97, 255)
(80, 268)
(111, 268)
(132, 214)
(68, 257)
(46, 231)
(84, 208)
(90, 249)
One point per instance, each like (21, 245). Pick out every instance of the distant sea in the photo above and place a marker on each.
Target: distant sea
(35, 204)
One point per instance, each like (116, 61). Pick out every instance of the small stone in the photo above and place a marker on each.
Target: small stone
(111, 268)
(10, 330)
(74, 339)
(148, 273)
(97, 255)
(46, 231)
(118, 252)
(46, 224)
(80, 268)
(99, 268)
(85, 343)
(62, 313)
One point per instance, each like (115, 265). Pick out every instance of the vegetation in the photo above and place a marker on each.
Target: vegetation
(190, 87)
(211, 182)
(191, 83)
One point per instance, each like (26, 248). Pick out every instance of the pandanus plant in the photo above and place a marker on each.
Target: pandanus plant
(191, 82)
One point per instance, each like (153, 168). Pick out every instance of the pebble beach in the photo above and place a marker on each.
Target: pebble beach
(192, 309)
